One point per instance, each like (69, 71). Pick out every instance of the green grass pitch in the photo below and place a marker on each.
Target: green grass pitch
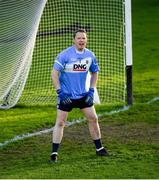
(132, 137)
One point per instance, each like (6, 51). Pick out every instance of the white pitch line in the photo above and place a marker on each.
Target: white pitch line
(69, 123)
(153, 100)
(124, 108)
(16, 138)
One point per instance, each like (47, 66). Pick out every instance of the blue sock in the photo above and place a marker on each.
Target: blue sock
(55, 147)
(98, 143)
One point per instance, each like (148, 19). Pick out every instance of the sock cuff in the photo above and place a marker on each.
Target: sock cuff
(56, 153)
(100, 148)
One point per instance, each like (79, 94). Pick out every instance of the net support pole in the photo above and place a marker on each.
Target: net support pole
(128, 48)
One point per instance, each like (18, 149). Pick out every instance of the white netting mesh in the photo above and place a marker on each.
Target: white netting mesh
(18, 28)
(104, 22)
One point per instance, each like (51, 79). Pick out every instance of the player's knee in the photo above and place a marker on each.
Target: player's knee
(60, 123)
(93, 119)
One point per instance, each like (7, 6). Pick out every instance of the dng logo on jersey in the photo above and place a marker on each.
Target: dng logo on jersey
(79, 67)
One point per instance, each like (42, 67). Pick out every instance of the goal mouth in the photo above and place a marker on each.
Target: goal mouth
(33, 36)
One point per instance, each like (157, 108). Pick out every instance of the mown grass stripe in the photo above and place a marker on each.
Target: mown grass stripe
(68, 123)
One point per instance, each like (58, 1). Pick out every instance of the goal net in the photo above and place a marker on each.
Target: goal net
(18, 28)
(104, 21)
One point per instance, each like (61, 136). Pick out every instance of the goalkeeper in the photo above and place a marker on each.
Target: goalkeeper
(69, 79)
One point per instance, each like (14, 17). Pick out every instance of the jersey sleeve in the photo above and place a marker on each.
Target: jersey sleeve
(59, 63)
(94, 66)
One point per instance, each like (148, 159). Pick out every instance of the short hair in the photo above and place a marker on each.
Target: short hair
(79, 30)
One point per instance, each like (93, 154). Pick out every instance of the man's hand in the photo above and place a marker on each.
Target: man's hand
(89, 98)
(63, 97)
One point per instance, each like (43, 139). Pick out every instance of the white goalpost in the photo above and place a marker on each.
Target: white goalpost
(128, 51)
(32, 33)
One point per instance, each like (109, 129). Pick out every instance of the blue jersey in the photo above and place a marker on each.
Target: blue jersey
(74, 66)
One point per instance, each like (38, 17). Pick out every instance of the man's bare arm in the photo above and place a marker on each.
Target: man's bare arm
(55, 79)
(93, 80)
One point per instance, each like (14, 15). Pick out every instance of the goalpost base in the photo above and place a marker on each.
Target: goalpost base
(129, 85)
